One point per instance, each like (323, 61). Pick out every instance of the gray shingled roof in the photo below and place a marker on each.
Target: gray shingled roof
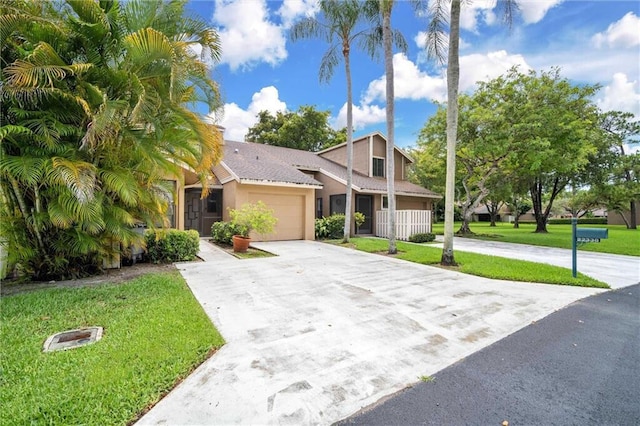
(261, 162)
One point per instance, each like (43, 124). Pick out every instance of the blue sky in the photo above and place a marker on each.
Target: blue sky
(591, 41)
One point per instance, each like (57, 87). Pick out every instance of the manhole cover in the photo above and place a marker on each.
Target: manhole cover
(72, 339)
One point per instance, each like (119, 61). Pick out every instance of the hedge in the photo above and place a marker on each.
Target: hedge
(166, 246)
(567, 221)
(426, 237)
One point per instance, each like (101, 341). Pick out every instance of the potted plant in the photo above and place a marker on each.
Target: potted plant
(251, 217)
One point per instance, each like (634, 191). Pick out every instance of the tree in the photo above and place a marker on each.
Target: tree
(481, 148)
(338, 28)
(555, 123)
(436, 47)
(379, 12)
(518, 206)
(93, 119)
(307, 129)
(614, 173)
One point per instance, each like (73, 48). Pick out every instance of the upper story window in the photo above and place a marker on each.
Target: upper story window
(378, 167)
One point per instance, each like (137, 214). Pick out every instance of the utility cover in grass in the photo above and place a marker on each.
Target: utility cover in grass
(72, 339)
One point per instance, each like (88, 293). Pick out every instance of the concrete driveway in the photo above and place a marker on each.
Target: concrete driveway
(320, 331)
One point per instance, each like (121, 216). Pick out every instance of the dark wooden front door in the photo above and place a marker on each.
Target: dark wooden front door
(364, 205)
(199, 214)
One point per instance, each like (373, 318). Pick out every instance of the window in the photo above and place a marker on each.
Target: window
(385, 202)
(378, 167)
(337, 203)
(318, 208)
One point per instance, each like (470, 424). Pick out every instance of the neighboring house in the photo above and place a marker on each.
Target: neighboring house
(481, 214)
(302, 186)
(615, 218)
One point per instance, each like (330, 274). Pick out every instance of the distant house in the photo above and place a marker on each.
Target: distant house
(301, 186)
(615, 218)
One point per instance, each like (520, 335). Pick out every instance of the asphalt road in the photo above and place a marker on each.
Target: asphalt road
(578, 366)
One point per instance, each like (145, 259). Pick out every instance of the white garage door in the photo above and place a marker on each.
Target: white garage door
(289, 209)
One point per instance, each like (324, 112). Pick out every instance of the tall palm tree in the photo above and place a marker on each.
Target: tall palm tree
(94, 117)
(338, 28)
(379, 11)
(436, 42)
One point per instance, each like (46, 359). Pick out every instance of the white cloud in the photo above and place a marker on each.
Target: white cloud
(292, 9)
(237, 121)
(472, 13)
(363, 115)
(409, 83)
(533, 11)
(247, 34)
(484, 67)
(623, 33)
(621, 95)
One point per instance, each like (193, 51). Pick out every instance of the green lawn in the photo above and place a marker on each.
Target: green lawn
(155, 333)
(620, 241)
(482, 265)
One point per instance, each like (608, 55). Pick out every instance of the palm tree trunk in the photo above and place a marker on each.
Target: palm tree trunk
(347, 213)
(453, 79)
(388, 66)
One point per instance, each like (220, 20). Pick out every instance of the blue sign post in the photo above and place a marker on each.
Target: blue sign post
(583, 235)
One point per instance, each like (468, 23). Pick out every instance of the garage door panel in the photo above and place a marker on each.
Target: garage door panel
(289, 209)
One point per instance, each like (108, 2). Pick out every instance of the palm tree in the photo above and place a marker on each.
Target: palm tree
(338, 29)
(380, 12)
(436, 45)
(94, 114)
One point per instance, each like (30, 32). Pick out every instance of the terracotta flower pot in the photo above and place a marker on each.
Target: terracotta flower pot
(240, 243)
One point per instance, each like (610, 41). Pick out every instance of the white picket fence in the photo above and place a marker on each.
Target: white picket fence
(408, 222)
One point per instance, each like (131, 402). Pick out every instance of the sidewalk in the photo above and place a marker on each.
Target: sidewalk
(616, 270)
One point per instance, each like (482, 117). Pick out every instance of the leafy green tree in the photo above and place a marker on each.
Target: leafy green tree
(518, 205)
(481, 149)
(94, 119)
(613, 173)
(307, 129)
(338, 26)
(554, 126)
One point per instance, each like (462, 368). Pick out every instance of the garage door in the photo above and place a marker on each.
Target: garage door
(289, 209)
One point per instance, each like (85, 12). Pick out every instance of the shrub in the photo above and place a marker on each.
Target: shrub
(172, 245)
(222, 232)
(253, 217)
(426, 237)
(331, 227)
(359, 219)
(581, 221)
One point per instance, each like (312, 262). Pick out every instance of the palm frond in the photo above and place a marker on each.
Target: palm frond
(26, 170)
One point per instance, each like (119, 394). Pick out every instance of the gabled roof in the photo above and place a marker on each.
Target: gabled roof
(361, 138)
(258, 163)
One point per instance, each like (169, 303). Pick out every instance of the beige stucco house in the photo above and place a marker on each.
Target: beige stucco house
(300, 186)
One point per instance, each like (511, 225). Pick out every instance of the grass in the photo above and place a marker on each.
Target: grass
(252, 253)
(621, 240)
(482, 265)
(155, 334)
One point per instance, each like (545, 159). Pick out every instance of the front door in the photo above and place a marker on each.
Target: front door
(200, 214)
(364, 205)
